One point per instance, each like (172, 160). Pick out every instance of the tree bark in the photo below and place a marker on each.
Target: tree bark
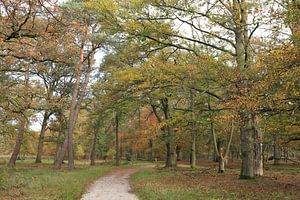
(38, 158)
(170, 155)
(178, 153)
(193, 144)
(259, 169)
(247, 147)
(277, 153)
(193, 151)
(243, 62)
(221, 165)
(60, 135)
(117, 140)
(150, 150)
(93, 151)
(22, 120)
(15, 154)
(171, 158)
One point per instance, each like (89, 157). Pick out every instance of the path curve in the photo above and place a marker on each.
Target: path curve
(113, 186)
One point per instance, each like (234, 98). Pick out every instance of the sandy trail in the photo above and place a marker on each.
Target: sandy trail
(113, 186)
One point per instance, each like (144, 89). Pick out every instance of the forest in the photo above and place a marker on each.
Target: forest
(193, 99)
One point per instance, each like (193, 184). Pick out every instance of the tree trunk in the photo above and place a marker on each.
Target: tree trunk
(15, 154)
(247, 133)
(93, 151)
(117, 140)
(60, 138)
(193, 151)
(41, 138)
(170, 155)
(209, 149)
(22, 120)
(259, 169)
(74, 110)
(150, 150)
(178, 153)
(277, 153)
(221, 164)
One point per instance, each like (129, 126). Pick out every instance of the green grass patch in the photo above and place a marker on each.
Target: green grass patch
(42, 182)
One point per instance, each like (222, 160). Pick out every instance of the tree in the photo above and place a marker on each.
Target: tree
(230, 33)
(57, 80)
(87, 48)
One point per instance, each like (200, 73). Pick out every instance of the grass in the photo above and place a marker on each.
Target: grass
(205, 183)
(42, 182)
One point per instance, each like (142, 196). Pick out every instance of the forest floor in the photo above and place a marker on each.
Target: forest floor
(278, 182)
(30, 181)
(42, 182)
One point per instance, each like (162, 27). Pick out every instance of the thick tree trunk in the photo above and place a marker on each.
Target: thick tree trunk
(117, 140)
(221, 164)
(243, 61)
(41, 138)
(60, 139)
(170, 155)
(247, 147)
(15, 154)
(259, 169)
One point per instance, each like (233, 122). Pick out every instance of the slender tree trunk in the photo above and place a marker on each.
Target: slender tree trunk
(178, 153)
(277, 153)
(193, 145)
(193, 151)
(41, 138)
(209, 149)
(217, 145)
(117, 140)
(93, 151)
(150, 153)
(74, 110)
(16, 152)
(67, 144)
(22, 120)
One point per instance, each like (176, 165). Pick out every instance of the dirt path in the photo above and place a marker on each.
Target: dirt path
(114, 186)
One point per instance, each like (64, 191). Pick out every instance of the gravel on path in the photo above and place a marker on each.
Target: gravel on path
(114, 186)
